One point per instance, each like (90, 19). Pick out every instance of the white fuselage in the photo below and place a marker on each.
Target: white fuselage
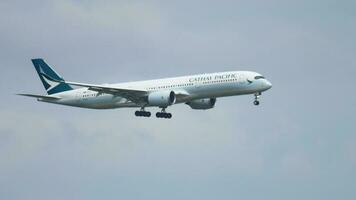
(191, 87)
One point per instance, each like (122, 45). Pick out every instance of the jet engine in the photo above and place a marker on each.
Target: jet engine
(161, 98)
(202, 104)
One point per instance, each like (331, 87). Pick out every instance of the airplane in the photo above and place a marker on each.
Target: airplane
(198, 91)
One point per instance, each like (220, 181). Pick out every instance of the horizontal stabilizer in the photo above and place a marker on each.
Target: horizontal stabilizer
(41, 96)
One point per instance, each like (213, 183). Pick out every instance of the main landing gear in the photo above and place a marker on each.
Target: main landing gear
(257, 97)
(142, 113)
(163, 114)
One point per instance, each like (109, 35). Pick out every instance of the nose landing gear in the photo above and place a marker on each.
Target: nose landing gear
(257, 97)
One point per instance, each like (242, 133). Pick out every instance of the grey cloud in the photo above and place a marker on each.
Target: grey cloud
(297, 144)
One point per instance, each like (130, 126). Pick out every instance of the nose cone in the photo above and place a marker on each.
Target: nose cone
(268, 84)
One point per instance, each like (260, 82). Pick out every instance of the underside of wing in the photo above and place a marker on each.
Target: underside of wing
(182, 95)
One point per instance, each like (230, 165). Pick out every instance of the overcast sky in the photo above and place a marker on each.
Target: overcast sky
(300, 143)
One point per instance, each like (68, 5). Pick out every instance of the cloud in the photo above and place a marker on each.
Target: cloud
(109, 15)
(298, 141)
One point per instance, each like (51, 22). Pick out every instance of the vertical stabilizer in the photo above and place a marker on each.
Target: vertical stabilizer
(48, 75)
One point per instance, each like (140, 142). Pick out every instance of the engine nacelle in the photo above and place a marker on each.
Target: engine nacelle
(161, 98)
(202, 104)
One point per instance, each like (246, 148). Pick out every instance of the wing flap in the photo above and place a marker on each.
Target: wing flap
(132, 94)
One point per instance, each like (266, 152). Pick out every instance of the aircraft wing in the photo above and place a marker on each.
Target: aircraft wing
(134, 95)
(182, 95)
(131, 94)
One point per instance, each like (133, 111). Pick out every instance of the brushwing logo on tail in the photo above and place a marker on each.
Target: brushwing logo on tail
(52, 84)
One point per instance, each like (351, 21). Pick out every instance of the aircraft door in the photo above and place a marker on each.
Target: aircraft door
(78, 97)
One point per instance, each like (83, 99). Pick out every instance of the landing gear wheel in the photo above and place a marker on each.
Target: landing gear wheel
(257, 97)
(147, 114)
(142, 113)
(163, 115)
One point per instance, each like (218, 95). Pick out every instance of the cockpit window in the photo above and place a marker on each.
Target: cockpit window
(259, 77)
